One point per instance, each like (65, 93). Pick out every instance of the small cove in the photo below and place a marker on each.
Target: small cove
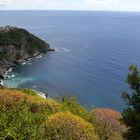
(94, 50)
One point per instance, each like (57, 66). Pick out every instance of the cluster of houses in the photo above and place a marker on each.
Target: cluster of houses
(6, 28)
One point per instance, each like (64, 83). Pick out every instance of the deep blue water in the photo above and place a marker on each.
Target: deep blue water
(94, 50)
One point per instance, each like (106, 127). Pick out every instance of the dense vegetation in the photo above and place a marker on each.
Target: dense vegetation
(131, 114)
(17, 45)
(27, 116)
(108, 125)
(17, 37)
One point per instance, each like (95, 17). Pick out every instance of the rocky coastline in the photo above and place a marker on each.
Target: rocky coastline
(18, 46)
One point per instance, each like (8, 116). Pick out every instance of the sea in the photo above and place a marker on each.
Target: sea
(93, 52)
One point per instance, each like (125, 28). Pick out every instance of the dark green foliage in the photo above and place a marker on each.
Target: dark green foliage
(17, 45)
(131, 114)
(18, 37)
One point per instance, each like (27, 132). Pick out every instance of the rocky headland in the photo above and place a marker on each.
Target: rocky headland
(17, 45)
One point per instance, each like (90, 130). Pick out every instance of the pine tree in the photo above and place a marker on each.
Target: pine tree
(131, 114)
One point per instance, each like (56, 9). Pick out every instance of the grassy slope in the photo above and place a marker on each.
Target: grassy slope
(25, 115)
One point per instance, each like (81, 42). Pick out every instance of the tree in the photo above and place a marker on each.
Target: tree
(131, 114)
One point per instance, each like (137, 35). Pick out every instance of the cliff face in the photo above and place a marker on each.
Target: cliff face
(17, 45)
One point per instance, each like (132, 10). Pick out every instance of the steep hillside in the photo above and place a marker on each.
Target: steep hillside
(17, 45)
(24, 115)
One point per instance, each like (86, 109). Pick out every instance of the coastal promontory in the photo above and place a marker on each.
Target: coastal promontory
(17, 45)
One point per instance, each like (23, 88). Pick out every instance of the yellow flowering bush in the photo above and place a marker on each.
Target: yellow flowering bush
(66, 126)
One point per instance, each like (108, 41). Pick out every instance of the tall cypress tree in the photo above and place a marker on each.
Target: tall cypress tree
(131, 114)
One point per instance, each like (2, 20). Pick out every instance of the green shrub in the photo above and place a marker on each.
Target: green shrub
(28, 92)
(24, 115)
(66, 126)
(20, 124)
(73, 106)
